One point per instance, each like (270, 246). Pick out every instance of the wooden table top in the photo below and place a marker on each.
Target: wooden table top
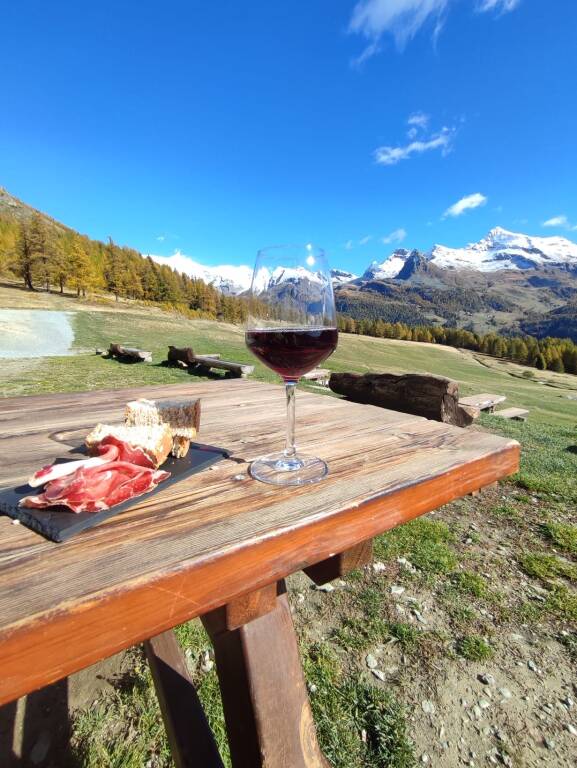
(217, 534)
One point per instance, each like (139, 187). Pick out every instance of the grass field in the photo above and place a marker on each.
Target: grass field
(546, 394)
(484, 586)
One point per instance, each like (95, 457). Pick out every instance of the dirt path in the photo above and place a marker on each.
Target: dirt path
(35, 333)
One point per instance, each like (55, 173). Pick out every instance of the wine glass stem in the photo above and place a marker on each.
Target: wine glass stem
(290, 449)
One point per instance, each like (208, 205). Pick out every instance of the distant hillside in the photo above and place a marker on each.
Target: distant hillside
(45, 254)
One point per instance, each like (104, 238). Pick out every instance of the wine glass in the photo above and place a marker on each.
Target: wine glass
(291, 328)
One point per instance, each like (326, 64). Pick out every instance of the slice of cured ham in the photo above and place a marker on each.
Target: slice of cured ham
(107, 453)
(95, 488)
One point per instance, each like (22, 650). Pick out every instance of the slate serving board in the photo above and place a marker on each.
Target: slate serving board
(59, 524)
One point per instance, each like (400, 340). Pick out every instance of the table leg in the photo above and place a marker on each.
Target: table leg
(191, 740)
(342, 563)
(266, 707)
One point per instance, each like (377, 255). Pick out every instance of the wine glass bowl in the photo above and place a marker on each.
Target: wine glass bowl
(291, 328)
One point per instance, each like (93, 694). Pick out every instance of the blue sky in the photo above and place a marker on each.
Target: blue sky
(216, 128)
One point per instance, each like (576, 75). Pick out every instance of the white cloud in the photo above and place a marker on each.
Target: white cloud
(161, 238)
(418, 119)
(403, 18)
(396, 236)
(466, 203)
(560, 221)
(348, 245)
(364, 240)
(393, 155)
(497, 5)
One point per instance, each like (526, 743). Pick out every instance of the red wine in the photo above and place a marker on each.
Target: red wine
(291, 352)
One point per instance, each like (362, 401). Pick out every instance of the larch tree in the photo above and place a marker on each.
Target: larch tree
(24, 265)
(81, 271)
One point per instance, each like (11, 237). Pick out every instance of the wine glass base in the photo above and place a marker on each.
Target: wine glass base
(279, 469)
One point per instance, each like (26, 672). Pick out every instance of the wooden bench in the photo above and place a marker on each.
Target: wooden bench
(129, 354)
(184, 357)
(484, 401)
(519, 414)
(320, 375)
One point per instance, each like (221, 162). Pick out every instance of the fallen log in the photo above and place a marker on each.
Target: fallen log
(129, 354)
(178, 355)
(433, 397)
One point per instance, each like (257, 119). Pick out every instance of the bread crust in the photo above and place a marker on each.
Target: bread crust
(154, 441)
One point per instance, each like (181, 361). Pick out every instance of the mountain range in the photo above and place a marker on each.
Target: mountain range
(500, 250)
(508, 282)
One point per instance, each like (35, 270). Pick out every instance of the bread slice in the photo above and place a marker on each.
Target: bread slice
(154, 441)
(182, 416)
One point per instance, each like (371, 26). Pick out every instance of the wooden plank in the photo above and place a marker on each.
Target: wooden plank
(209, 361)
(483, 401)
(513, 413)
(249, 607)
(191, 741)
(268, 716)
(342, 563)
(201, 544)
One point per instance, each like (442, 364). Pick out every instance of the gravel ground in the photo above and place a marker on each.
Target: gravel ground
(35, 333)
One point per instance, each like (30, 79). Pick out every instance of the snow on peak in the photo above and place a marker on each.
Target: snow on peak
(340, 276)
(501, 249)
(227, 278)
(235, 279)
(389, 268)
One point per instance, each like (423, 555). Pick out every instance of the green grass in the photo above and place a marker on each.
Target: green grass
(344, 708)
(425, 543)
(474, 648)
(548, 462)
(545, 566)
(154, 330)
(563, 535)
(470, 583)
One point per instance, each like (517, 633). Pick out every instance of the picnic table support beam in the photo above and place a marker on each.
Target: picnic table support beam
(191, 741)
(341, 564)
(266, 708)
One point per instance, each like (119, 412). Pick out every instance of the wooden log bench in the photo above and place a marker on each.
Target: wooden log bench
(484, 401)
(519, 414)
(433, 397)
(320, 375)
(185, 357)
(129, 354)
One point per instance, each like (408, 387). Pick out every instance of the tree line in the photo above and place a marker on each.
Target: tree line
(545, 354)
(50, 258)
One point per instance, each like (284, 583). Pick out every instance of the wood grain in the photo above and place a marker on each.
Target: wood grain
(219, 534)
(422, 394)
(192, 743)
(268, 716)
(341, 564)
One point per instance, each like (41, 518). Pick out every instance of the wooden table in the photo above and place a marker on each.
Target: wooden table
(218, 545)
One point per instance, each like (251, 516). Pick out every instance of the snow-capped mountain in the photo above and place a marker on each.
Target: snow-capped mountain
(388, 268)
(235, 279)
(502, 249)
(499, 250)
(339, 276)
(227, 278)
